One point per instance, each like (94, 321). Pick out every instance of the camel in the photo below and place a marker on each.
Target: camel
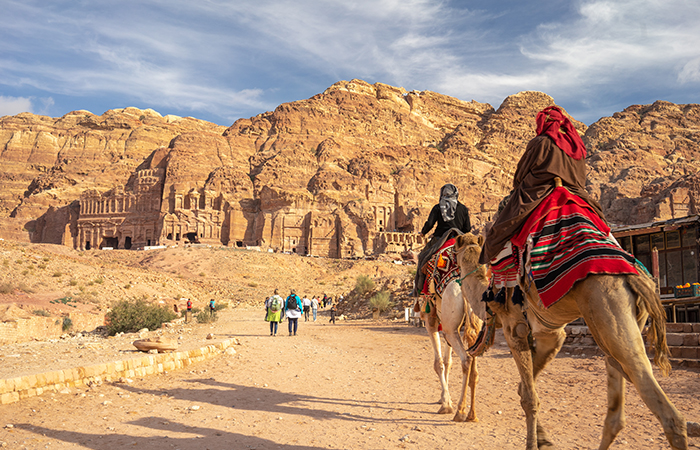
(615, 308)
(452, 311)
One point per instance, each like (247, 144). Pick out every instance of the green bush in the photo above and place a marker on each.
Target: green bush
(381, 301)
(6, 288)
(129, 316)
(364, 285)
(67, 324)
(41, 312)
(205, 317)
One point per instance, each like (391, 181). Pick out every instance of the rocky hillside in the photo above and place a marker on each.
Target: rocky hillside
(327, 175)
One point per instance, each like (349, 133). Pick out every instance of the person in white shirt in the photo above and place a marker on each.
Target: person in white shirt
(314, 307)
(306, 304)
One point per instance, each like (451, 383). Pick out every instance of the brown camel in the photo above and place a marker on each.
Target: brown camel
(452, 311)
(615, 308)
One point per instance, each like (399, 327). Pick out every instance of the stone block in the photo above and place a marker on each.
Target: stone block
(674, 339)
(21, 383)
(696, 328)
(691, 339)
(675, 352)
(41, 379)
(32, 380)
(689, 352)
(674, 328)
(9, 397)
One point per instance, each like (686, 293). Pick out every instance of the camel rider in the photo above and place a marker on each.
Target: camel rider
(556, 152)
(448, 214)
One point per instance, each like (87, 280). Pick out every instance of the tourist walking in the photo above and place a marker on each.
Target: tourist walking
(188, 313)
(292, 309)
(306, 304)
(314, 307)
(333, 311)
(274, 306)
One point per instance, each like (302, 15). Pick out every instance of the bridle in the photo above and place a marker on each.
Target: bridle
(459, 280)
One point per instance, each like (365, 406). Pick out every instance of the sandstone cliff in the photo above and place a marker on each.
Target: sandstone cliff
(350, 172)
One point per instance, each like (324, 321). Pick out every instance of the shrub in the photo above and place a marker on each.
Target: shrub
(41, 312)
(364, 285)
(67, 324)
(129, 316)
(6, 288)
(206, 316)
(381, 301)
(57, 274)
(220, 305)
(73, 282)
(99, 280)
(25, 288)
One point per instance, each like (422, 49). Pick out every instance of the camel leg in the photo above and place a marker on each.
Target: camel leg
(515, 331)
(470, 378)
(616, 331)
(547, 346)
(452, 307)
(615, 417)
(441, 364)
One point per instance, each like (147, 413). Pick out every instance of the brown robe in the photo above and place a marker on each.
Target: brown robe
(533, 181)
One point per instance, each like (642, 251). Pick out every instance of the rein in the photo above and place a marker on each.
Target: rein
(459, 280)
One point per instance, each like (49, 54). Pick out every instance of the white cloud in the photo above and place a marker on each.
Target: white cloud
(690, 72)
(10, 106)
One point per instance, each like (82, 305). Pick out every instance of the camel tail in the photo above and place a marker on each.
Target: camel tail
(647, 299)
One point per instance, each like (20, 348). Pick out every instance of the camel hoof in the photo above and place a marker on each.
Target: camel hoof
(543, 442)
(446, 410)
(461, 417)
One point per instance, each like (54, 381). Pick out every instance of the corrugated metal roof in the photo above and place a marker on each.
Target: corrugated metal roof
(660, 223)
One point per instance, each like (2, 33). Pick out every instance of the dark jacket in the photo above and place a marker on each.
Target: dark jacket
(461, 221)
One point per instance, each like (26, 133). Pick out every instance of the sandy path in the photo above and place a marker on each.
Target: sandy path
(355, 385)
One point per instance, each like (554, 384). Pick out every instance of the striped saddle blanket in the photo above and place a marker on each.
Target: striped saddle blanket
(442, 268)
(562, 242)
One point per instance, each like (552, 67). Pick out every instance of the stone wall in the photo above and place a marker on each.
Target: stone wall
(22, 330)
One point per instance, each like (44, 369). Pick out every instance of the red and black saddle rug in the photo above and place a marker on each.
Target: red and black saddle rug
(563, 241)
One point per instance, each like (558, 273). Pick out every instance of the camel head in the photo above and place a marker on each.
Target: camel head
(475, 276)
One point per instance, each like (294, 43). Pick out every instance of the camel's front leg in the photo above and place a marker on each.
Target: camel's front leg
(441, 364)
(470, 377)
(516, 330)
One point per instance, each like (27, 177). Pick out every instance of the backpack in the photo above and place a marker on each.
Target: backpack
(292, 302)
(275, 304)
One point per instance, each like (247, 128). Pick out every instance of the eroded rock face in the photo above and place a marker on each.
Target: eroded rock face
(350, 172)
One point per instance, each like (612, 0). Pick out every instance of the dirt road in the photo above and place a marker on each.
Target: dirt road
(353, 385)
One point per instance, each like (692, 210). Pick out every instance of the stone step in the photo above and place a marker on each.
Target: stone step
(683, 328)
(683, 339)
(594, 350)
(685, 351)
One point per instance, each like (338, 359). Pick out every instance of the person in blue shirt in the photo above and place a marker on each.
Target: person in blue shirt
(292, 310)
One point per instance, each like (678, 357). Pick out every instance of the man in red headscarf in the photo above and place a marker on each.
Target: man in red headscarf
(556, 151)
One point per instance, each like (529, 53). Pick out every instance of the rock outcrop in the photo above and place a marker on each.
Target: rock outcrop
(350, 172)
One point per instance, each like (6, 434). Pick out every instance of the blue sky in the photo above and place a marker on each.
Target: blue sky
(221, 60)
